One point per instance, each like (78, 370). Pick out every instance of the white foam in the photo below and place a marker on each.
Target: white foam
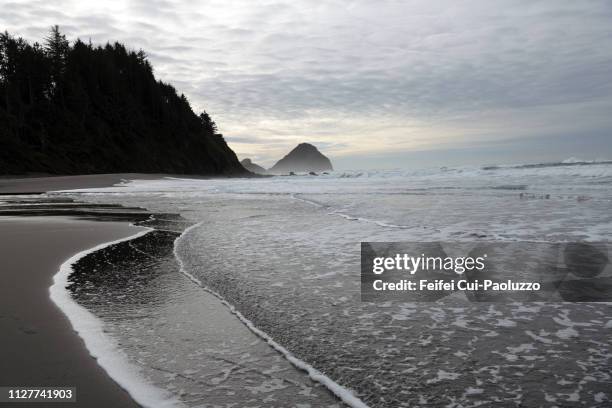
(338, 390)
(101, 346)
(567, 333)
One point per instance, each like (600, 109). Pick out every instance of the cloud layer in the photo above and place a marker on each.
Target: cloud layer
(359, 77)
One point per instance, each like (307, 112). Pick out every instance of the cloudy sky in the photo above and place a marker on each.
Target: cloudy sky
(373, 83)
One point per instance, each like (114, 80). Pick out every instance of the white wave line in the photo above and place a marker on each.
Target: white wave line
(338, 390)
(311, 202)
(98, 343)
(338, 213)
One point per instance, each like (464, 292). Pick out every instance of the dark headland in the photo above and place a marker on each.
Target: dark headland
(303, 158)
(84, 109)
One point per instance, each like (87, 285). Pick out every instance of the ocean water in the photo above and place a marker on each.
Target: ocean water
(269, 269)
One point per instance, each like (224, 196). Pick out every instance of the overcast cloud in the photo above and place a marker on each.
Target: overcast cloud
(366, 78)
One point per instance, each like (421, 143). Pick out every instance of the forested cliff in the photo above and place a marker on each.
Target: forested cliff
(79, 109)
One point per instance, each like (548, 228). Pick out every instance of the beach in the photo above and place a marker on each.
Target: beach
(247, 291)
(39, 346)
(284, 252)
(294, 205)
(50, 342)
(41, 184)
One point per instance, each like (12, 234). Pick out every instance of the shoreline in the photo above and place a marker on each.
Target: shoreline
(91, 330)
(38, 184)
(39, 344)
(29, 185)
(101, 350)
(340, 392)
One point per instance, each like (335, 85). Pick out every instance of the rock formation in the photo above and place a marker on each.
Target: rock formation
(252, 167)
(304, 158)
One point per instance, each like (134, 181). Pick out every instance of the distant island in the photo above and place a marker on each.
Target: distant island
(252, 167)
(84, 109)
(303, 158)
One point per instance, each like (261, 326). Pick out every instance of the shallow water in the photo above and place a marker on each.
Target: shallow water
(285, 252)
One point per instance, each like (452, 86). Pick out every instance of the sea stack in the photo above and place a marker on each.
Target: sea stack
(304, 158)
(252, 167)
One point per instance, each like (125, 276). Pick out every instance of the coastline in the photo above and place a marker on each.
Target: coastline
(39, 344)
(91, 335)
(15, 185)
(505, 327)
(340, 392)
(38, 184)
(91, 330)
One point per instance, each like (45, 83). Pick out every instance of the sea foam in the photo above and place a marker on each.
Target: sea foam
(338, 390)
(99, 344)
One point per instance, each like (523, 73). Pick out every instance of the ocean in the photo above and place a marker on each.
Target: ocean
(252, 298)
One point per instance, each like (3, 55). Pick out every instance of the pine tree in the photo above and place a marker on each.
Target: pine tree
(208, 123)
(57, 48)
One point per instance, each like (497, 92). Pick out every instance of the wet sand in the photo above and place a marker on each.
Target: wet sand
(34, 185)
(38, 346)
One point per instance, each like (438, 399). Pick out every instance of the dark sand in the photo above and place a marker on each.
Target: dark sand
(31, 185)
(38, 346)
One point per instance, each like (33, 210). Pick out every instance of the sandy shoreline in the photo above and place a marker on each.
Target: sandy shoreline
(36, 185)
(39, 346)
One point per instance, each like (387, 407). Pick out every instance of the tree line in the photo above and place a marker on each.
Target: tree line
(80, 109)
